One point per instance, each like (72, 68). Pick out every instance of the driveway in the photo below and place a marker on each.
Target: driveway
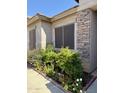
(36, 83)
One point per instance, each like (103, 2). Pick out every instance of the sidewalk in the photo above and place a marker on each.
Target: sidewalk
(92, 88)
(36, 83)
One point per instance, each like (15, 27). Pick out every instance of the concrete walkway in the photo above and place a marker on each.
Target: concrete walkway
(92, 88)
(36, 83)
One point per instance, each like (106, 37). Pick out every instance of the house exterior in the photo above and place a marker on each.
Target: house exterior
(75, 28)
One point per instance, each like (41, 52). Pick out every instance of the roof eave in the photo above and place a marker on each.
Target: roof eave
(77, 1)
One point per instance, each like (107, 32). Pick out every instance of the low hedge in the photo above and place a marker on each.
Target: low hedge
(63, 66)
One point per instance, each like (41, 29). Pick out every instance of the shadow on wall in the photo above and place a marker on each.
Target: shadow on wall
(53, 88)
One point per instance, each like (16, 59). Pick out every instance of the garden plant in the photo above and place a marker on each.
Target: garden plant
(64, 66)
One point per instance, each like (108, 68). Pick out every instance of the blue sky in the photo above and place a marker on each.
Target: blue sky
(48, 7)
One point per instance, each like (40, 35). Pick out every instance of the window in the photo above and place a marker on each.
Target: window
(58, 37)
(64, 36)
(32, 39)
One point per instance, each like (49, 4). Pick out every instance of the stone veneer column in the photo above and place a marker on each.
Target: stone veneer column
(86, 38)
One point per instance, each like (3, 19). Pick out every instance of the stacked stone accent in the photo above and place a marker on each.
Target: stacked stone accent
(84, 36)
(83, 31)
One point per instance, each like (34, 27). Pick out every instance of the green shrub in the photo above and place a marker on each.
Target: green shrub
(49, 48)
(63, 58)
(49, 57)
(31, 58)
(66, 87)
(70, 63)
(37, 65)
(49, 70)
(63, 66)
(35, 58)
(76, 87)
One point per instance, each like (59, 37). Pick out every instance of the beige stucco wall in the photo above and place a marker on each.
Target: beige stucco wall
(66, 20)
(46, 32)
(84, 4)
(37, 27)
(93, 41)
(43, 33)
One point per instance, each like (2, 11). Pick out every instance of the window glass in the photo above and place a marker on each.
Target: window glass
(58, 37)
(32, 39)
(64, 36)
(69, 36)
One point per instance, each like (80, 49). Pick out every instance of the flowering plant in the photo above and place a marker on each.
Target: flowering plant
(77, 86)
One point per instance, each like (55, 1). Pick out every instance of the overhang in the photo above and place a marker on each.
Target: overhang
(37, 17)
(65, 13)
(77, 1)
(40, 17)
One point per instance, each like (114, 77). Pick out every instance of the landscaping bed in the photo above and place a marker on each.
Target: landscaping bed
(62, 66)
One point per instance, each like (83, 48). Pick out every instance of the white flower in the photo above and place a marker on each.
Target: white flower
(81, 91)
(76, 84)
(73, 89)
(77, 80)
(80, 79)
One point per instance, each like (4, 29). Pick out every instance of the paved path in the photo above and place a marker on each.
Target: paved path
(92, 88)
(36, 83)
